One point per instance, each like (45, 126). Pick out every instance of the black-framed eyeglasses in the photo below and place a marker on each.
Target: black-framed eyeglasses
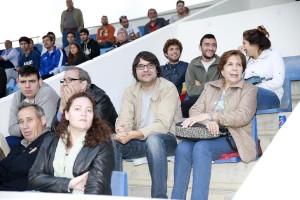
(142, 67)
(69, 80)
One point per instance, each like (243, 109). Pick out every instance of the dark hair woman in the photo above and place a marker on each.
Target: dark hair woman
(76, 55)
(80, 157)
(265, 63)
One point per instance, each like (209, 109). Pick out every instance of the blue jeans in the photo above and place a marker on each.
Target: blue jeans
(198, 155)
(156, 147)
(65, 41)
(266, 99)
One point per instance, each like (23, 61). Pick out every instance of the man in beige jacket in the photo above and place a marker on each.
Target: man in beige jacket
(146, 123)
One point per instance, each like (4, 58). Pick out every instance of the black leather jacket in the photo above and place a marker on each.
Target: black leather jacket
(104, 107)
(98, 160)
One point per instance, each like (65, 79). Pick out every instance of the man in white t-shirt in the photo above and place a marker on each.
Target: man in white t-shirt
(132, 30)
(180, 12)
(9, 58)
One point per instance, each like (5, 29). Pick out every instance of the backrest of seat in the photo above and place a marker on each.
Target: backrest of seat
(39, 47)
(292, 73)
(119, 184)
(93, 36)
(142, 30)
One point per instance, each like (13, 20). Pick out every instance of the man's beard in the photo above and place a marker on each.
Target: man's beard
(153, 19)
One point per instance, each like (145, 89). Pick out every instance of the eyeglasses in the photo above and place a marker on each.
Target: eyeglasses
(123, 17)
(69, 80)
(142, 67)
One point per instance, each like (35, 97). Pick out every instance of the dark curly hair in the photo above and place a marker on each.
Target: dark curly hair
(170, 42)
(259, 36)
(147, 56)
(99, 132)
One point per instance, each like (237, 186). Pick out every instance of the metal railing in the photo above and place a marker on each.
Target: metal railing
(15, 43)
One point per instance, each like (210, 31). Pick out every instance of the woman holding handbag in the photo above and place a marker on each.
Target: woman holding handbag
(229, 102)
(266, 64)
(80, 157)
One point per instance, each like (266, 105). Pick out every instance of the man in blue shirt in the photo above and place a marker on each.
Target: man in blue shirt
(29, 57)
(174, 70)
(53, 60)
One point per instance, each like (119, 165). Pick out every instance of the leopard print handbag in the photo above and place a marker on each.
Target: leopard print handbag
(198, 132)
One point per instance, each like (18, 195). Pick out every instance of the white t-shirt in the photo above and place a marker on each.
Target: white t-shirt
(147, 116)
(207, 64)
(131, 29)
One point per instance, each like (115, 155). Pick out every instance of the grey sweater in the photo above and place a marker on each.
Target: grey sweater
(46, 98)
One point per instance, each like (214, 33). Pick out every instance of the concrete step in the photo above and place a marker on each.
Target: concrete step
(225, 179)
(295, 87)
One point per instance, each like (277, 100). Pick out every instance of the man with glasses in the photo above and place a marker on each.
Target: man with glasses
(146, 124)
(201, 70)
(132, 30)
(78, 80)
(32, 90)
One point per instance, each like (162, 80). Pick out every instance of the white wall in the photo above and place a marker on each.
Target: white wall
(276, 176)
(112, 71)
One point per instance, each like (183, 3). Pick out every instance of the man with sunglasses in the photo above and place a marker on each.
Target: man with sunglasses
(146, 124)
(32, 90)
(132, 30)
(78, 80)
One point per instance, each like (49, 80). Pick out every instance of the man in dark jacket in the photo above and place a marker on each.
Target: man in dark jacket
(15, 167)
(89, 46)
(174, 70)
(78, 80)
(3, 81)
(155, 23)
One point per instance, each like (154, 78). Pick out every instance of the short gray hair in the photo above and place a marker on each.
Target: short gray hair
(39, 111)
(83, 75)
(122, 30)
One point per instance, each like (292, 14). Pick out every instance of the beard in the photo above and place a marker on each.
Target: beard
(206, 56)
(153, 19)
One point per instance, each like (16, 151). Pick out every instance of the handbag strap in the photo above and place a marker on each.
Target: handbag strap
(229, 142)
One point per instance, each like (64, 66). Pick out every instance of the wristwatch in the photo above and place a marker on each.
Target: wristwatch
(209, 116)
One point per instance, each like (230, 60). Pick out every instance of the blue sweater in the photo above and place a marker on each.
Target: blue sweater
(33, 58)
(52, 60)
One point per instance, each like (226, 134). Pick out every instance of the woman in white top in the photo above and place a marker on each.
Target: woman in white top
(265, 63)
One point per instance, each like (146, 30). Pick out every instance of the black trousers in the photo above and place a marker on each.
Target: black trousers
(3, 81)
(186, 105)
